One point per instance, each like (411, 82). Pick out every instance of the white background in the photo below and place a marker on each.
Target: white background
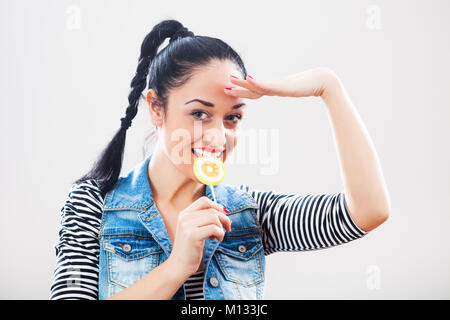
(64, 86)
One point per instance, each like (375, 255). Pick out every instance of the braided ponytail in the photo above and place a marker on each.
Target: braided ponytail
(106, 169)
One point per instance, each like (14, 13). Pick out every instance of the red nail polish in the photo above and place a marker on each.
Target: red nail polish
(228, 88)
(225, 209)
(233, 76)
(250, 76)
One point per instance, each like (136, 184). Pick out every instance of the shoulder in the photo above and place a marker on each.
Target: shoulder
(259, 194)
(245, 188)
(89, 188)
(255, 190)
(84, 197)
(261, 197)
(255, 193)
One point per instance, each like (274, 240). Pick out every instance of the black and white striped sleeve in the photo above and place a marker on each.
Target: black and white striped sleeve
(77, 249)
(299, 222)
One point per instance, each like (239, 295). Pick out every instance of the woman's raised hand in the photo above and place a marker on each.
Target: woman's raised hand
(312, 82)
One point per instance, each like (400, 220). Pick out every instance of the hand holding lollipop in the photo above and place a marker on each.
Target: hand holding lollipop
(197, 222)
(210, 171)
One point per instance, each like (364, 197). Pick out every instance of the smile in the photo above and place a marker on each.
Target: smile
(199, 152)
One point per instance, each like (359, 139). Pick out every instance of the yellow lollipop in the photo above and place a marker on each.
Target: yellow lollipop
(209, 170)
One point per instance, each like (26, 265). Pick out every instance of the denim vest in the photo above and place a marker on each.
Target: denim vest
(134, 240)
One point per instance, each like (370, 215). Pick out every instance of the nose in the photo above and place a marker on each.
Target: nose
(215, 136)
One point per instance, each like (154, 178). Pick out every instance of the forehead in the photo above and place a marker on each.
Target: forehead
(208, 83)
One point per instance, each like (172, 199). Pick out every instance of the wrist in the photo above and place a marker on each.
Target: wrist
(174, 271)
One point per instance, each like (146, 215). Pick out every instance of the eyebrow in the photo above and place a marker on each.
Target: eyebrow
(210, 104)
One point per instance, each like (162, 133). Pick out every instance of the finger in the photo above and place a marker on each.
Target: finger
(242, 93)
(210, 231)
(252, 85)
(211, 216)
(241, 82)
(203, 219)
(208, 216)
(261, 87)
(224, 219)
(203, 203)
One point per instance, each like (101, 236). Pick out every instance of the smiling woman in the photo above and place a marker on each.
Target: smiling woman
(156, 233)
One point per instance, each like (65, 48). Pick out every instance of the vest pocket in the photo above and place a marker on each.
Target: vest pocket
(130, 256)
(239, 259)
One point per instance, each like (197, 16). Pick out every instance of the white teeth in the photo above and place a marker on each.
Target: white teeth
(200, 152)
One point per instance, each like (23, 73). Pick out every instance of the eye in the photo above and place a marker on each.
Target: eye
(238, 116)
(196, 113)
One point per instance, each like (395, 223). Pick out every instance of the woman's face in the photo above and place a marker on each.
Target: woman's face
(199, 114)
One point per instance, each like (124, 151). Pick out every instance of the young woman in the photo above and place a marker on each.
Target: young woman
(157, 233)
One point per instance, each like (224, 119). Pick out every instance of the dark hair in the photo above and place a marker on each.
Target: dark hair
(170, 68)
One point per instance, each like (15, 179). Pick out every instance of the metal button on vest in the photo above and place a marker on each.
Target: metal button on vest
(126, 248)
(242, 248)
(214, 282)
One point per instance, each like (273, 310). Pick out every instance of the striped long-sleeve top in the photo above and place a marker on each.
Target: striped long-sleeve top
(289, 222)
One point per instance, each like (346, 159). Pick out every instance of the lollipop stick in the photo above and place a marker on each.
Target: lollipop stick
(212, 191)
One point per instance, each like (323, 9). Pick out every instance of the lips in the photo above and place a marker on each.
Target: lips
(207, 152)
(211, 150)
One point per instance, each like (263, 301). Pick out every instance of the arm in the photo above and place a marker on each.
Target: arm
(161, 284)
(364, 186)
(300, 222)
(77, 249)
(365, 190)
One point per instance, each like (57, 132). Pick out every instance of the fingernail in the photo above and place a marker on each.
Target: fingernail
(228, 88)
(250, 76)
(233, 76)
(225, 209)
